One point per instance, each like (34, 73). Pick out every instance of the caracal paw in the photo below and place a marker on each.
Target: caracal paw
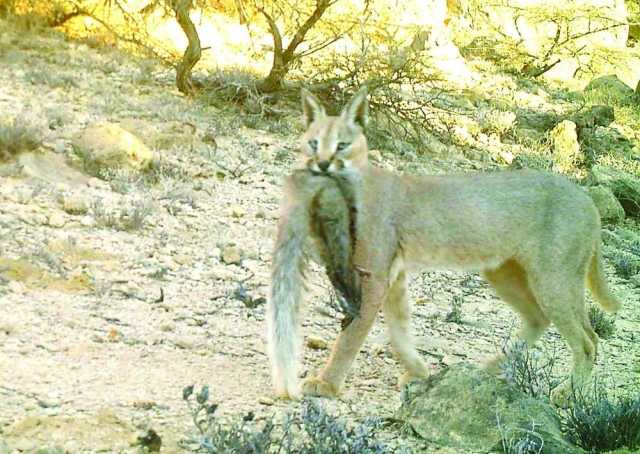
(288, 391)
(316, 386)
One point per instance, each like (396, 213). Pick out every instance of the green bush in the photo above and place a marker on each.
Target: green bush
(17, 135)
(530, 371)
(598, 421)
(603, 325)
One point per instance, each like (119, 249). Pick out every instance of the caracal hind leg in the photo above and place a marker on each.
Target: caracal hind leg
(511, 284)
(562, 299)
(348, 344)
(397, 314)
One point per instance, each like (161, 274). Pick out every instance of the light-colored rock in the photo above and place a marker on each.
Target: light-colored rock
(497, 121)
(608, 206)
(266, 401)
(237, 211)
(566, 148)
(317, 343)
(57, 220)
(231, 255)
(108, 145)
(76, 203)
(52, 168)
(375, 155)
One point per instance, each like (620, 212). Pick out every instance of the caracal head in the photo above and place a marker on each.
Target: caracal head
(334, 143)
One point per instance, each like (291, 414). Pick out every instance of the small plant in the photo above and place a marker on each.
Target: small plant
(128, 219)
(521, 440)
(530, 371)
(626, 265)
(455, 314)
(497, 121)
(16, 136)
(329, 435)
(312, 432)
(598, 421)
(603, 325)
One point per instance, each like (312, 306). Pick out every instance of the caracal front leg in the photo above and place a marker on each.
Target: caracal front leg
(349, 342)
(397, 314)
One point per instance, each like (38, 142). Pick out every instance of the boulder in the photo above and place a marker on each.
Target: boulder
(608, 205)
(624, 186)
(566, 149)
(107, 145)
(613, 87)
(469, 410)
(592, 116)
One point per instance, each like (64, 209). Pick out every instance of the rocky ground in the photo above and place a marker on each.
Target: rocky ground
(116, 292)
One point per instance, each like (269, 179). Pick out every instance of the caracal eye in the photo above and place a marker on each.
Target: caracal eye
(342, 146)
(313, 144)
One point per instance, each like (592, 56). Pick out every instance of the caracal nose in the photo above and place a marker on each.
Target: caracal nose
(324, 165)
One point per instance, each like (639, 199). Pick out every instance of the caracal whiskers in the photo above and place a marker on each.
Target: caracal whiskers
(534, 236)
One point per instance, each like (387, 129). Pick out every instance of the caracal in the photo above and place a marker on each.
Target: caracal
(535, 237)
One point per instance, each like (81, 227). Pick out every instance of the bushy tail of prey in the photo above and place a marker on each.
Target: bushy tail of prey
(287, 279)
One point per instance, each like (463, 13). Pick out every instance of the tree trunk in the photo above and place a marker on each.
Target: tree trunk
(193, 52)
(282, 58)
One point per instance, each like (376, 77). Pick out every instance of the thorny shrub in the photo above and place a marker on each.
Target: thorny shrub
(530, 371)
(313, 431)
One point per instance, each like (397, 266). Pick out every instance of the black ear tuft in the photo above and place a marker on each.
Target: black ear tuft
(357, 111)
(311, 107)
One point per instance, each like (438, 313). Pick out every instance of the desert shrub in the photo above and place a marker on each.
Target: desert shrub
(313, 431)
(566, 30)
(531, 371)
(626, 265)
(520, 440)
(455, 314)
(406, 92)
(603, 325)
(17, 135)
(598, 421)
(127, 218)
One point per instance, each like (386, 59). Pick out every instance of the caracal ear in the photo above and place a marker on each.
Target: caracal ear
(357, 111)
(311, 107)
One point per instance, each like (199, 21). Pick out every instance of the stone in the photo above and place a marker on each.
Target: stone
(593, 116)
(107, 145)
(375, 155)
(237, 211)
(317, 343)
(609, 207)
(76, 203)
(467, 409)
(231, 255)
(266, 401)
(613, 87)
(57, 220)
(624, 186)
(566, 149)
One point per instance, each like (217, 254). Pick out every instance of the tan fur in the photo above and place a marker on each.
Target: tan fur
(534, 236)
